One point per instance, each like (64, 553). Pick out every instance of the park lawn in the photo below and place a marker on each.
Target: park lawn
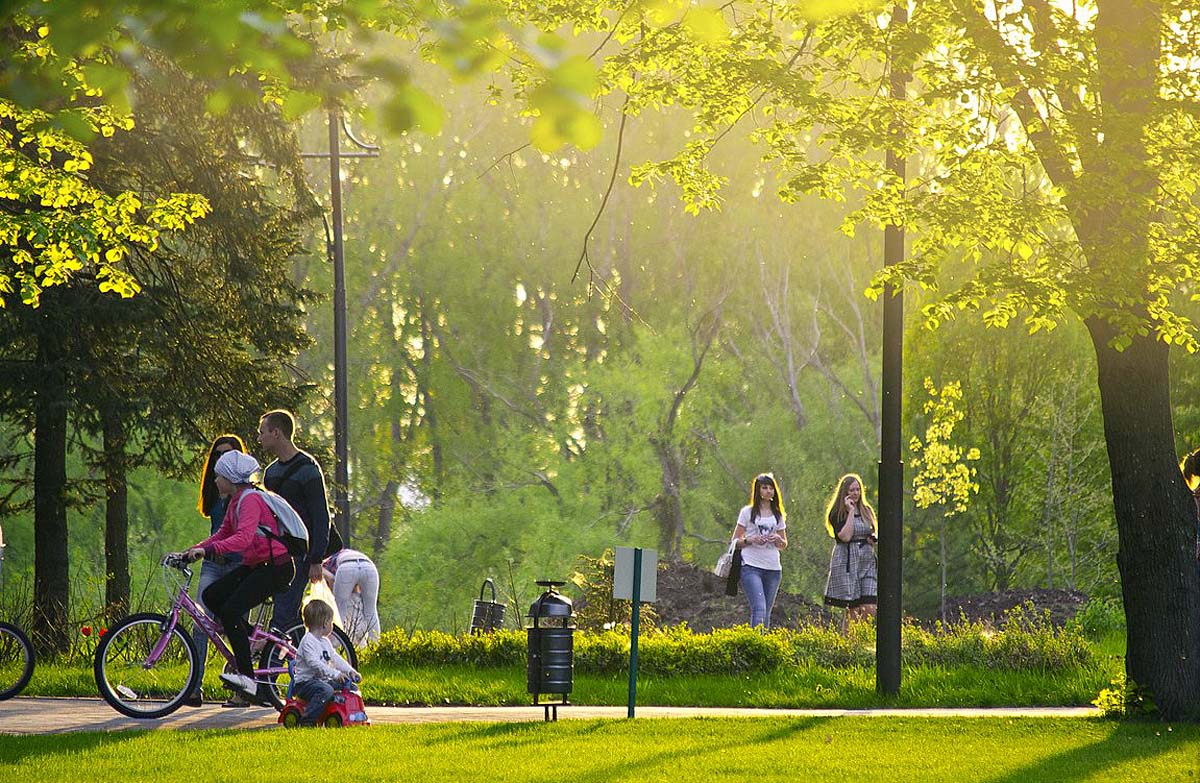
(806, 686)
(860, 749)
(803, 686)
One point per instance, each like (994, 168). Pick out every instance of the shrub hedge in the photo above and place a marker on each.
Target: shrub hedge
(1026, 641)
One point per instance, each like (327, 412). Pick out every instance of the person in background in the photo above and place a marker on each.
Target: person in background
(212, 505)
(1191, 476)
(760, 533)
(296, 476)
(349, 572)
(853, 573)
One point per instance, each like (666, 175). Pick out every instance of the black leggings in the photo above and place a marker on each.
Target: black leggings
(232, 596)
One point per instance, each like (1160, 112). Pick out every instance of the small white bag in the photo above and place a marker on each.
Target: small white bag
(319, 591)
(725, 561)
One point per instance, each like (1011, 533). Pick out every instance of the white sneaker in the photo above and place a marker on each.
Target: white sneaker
(240, 682)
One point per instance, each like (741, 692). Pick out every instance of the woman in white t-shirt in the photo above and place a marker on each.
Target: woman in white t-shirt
(760, 533)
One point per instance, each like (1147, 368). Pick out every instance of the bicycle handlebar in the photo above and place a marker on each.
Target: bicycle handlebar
(177, 560)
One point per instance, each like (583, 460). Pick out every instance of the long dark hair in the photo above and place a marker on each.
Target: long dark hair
(766, 479)
(1190, 466)
(835, 513)
(208, 483)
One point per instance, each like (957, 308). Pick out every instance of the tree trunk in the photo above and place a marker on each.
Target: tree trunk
(1155, 523)
(387, 512)
(52, 578)
(430, 414)
(669, 510)
(116, 518)
(942, 586)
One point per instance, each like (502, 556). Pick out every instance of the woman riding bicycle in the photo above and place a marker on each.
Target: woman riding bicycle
(263, 565)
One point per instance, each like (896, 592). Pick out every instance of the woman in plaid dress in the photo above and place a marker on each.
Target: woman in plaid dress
(853, 577)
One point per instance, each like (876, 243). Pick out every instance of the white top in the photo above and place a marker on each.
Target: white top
(317, 660)
(765, 556)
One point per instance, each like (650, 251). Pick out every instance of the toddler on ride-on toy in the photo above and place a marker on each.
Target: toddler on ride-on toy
(318, 668)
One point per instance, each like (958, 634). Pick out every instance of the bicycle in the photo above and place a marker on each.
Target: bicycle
(16, 655)
(146, 665)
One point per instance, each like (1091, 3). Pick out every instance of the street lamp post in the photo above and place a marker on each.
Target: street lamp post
(341, 404)
(891, 464)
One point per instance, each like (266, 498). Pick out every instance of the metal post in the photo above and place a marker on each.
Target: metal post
(891, 465)
(341, 405)
(633, 628)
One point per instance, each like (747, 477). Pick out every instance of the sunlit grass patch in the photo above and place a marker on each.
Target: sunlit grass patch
(817, 749)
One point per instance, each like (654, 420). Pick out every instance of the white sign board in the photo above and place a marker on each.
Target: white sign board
(623, 575)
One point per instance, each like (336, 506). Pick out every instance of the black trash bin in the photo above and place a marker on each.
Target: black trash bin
(551, 647)
(487, 616)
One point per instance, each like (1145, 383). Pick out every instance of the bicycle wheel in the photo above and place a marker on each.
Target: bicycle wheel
(273, 663)
(143, 672)
(16, 661)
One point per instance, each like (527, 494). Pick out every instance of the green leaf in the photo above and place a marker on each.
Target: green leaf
(545, 136)
(706, 25)
(298, 103)
(412, 109)
(584, 130)
(110, 79)
(218, 102)
(577, 75)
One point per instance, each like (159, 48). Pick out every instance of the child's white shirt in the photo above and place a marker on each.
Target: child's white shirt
(317, 660)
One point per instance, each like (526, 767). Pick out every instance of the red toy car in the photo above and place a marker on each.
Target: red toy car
(344, 709)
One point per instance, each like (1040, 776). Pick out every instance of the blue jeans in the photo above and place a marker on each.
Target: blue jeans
(317, 693)
(760, 586)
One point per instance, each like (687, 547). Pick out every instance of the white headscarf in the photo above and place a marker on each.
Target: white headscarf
(236, 466)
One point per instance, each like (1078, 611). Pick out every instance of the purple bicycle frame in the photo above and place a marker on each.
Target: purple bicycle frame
(258, 637)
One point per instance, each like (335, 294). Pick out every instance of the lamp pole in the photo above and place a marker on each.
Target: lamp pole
(341, 403)
(891, 463)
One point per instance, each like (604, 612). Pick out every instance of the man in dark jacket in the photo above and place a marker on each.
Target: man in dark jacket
(298, 478)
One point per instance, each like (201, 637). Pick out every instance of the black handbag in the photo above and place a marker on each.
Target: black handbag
(735, 574)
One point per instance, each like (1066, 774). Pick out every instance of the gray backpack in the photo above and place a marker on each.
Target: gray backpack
(292, 532)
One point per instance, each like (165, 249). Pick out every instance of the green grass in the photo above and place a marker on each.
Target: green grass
(805, 685)
(802, 686)
(947, 750)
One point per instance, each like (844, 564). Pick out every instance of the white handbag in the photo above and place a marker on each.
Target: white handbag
(725, 561)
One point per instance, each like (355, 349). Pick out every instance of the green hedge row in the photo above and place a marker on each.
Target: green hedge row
(1026, 642)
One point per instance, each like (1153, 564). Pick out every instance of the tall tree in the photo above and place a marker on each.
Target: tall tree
(1052, 146)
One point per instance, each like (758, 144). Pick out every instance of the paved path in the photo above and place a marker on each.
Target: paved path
(56, 716)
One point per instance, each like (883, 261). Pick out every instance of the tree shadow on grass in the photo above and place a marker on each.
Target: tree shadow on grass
(533, 733)
(1125, 743)
(656, 762)
(491, 734)
(15, 749)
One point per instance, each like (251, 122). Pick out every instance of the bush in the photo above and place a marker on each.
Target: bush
(1027, 642)
(438, 648)
(1099, 617)
(1124, 700)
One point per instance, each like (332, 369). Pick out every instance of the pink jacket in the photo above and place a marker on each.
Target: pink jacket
(238, 538)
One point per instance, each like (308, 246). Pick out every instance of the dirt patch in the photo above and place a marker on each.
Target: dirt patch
(694, 595)
(993, 607)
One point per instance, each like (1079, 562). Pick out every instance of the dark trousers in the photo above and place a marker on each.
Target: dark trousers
(289, 597)
(232, 596)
